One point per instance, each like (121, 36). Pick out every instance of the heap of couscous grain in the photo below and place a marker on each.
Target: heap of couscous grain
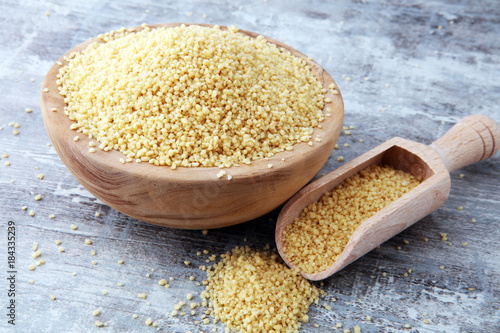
(191, 96)
(316, 238)
(254, 291)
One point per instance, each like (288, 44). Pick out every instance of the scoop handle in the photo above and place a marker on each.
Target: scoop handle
(471, 140)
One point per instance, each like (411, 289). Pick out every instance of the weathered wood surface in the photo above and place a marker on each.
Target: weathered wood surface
(421, 80)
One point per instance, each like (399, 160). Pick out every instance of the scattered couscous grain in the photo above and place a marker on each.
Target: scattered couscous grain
(120, 262)
(444, 236)
(35, 246)
(204, 232)
(340, 158)
(460, 208)
(53, 297)
(40, 176)
(57, 242)
(24, 208)
(61, 249)
(104, 292)
(92, 252)
(74, 227)
(254, 291)
(88, 241)
(96, 313)
(31, 267)
(93, 262)
(99, 323)
(28, 110)
(38, 197)
(32, 213)
(142, 295)
(317, 237)
(185, 96)
(36, 254)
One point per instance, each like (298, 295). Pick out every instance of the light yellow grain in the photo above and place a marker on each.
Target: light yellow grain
(57, 242)
(74, 227)
(357, 329)
(24, 208)
(96, 313)
(92, 252)
(204, 232)
(61, 249)
(317, 237)
(32, 213)
(28, 110)
(120, 262)
(194, 103)
(142, 295)
(36, 254)
(340, 158)
(40, 176)
(38, 197)
(31, 267)
(93, 262)
(255, 288)
(162, 282)
(88, 241)
(460, 208)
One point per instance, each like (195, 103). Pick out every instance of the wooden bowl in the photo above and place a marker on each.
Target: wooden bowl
(190, 198)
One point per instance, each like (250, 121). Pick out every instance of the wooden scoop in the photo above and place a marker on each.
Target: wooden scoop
(473, 139)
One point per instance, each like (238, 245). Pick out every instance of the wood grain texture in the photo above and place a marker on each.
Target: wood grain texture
(462, 145)
(190, 198)
(436, 77)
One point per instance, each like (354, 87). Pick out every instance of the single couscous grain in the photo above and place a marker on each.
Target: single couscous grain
(316, 238)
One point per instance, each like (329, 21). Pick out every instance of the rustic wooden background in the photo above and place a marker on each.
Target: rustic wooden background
(405, 68)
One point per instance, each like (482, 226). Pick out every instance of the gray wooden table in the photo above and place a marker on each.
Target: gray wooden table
(409, 69)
